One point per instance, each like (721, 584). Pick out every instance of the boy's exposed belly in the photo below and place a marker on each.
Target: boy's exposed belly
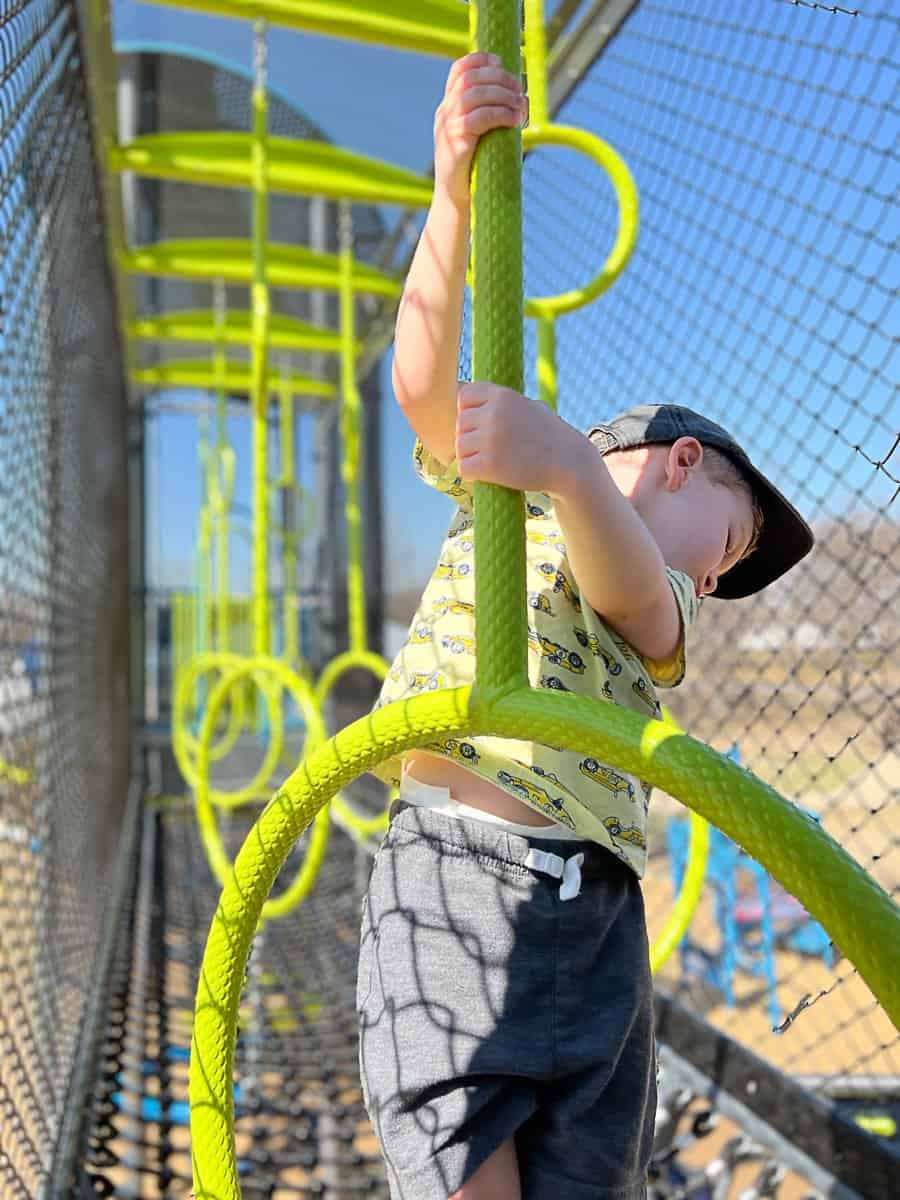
(468, 788)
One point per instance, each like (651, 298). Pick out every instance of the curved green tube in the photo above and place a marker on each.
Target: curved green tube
(860, 917)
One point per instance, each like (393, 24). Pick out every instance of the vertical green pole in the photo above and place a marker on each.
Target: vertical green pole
(497, 350)
(546, 361)
(259, 363)
(223, 566)
(350, 420)
(536, 62)
(288, 479)
(202, 570)
(538, 115)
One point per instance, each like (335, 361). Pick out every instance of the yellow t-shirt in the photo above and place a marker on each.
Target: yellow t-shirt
(570, 648)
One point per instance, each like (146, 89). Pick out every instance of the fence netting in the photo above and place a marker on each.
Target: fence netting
(64, 703)
(763, 293)
(763, 142)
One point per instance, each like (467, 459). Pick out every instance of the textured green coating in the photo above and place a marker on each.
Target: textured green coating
(497, 355)
(861, 918)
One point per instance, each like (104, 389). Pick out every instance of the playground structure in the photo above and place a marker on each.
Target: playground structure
(299, 1124)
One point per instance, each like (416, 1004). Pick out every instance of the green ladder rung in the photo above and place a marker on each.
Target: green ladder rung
(237, 377)
(293, 167)
(231, 259)
(199, 325)
(426, 26)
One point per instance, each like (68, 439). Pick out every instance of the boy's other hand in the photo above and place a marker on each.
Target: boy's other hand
(504, 437)
(480, 95)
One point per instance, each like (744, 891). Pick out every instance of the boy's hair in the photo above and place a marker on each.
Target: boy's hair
(785, 538)
(720, 468)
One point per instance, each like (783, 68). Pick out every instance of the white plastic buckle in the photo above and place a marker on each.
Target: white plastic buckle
(566, 869)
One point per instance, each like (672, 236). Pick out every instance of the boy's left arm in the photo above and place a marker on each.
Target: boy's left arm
(505, 438)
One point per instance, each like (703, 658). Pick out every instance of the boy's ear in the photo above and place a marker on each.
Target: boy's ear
(684, 457)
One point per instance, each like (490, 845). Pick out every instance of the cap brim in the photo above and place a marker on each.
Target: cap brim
(784, 540)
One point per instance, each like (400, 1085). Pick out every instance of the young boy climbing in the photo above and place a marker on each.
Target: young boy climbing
(504, 995)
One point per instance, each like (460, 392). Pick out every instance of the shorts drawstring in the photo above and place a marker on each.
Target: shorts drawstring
(566, 869)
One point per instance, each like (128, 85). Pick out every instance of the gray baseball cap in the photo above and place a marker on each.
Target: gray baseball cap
(785, 537)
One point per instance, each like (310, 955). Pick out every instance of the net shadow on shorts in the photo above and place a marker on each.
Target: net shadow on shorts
(490, 1007)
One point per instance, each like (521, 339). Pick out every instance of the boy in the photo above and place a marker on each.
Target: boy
(506, 1035)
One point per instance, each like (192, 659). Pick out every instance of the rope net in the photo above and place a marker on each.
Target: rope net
(64, 705)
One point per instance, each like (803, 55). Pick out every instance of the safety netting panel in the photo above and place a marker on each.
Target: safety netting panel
(64, 703)
(300, 1125)
(763, 141)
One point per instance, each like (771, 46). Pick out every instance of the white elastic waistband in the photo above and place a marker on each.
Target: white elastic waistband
(439, 799)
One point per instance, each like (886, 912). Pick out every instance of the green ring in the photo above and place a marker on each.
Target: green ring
(861, 918)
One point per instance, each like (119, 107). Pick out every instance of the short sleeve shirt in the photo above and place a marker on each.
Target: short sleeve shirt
(570, 648)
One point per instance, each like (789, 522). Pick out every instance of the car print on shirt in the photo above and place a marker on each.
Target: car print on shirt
(539, 602)
(553, 539)
(536, 512)
(555, 653)
(452, 570)
(423, 681)
(591, 642)
(422, 635)
(632, 834)
(453, 748)
(560, 583)
(457, 490)
(606, 777)
(554, 683)
(458, 643)
(456, 530)
(640, 689)
(537, 797)
(446, 604)
(552, 777)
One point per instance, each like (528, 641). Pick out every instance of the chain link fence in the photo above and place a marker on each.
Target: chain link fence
(763, 140)
(64, 704)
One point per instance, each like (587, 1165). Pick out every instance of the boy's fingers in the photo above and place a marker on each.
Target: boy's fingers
(468, 464)
(478, 59)
(489, 94)
(466, 443)
(479, 76)
(481, 120)
(470, 395)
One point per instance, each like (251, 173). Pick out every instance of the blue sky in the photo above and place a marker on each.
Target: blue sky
(761, 289)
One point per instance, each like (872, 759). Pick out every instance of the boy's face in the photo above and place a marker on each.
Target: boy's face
(702, 527)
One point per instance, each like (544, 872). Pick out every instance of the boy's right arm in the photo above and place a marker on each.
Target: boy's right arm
(480, 95)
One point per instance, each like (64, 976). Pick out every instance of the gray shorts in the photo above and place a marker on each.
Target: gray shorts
(489, 1007)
